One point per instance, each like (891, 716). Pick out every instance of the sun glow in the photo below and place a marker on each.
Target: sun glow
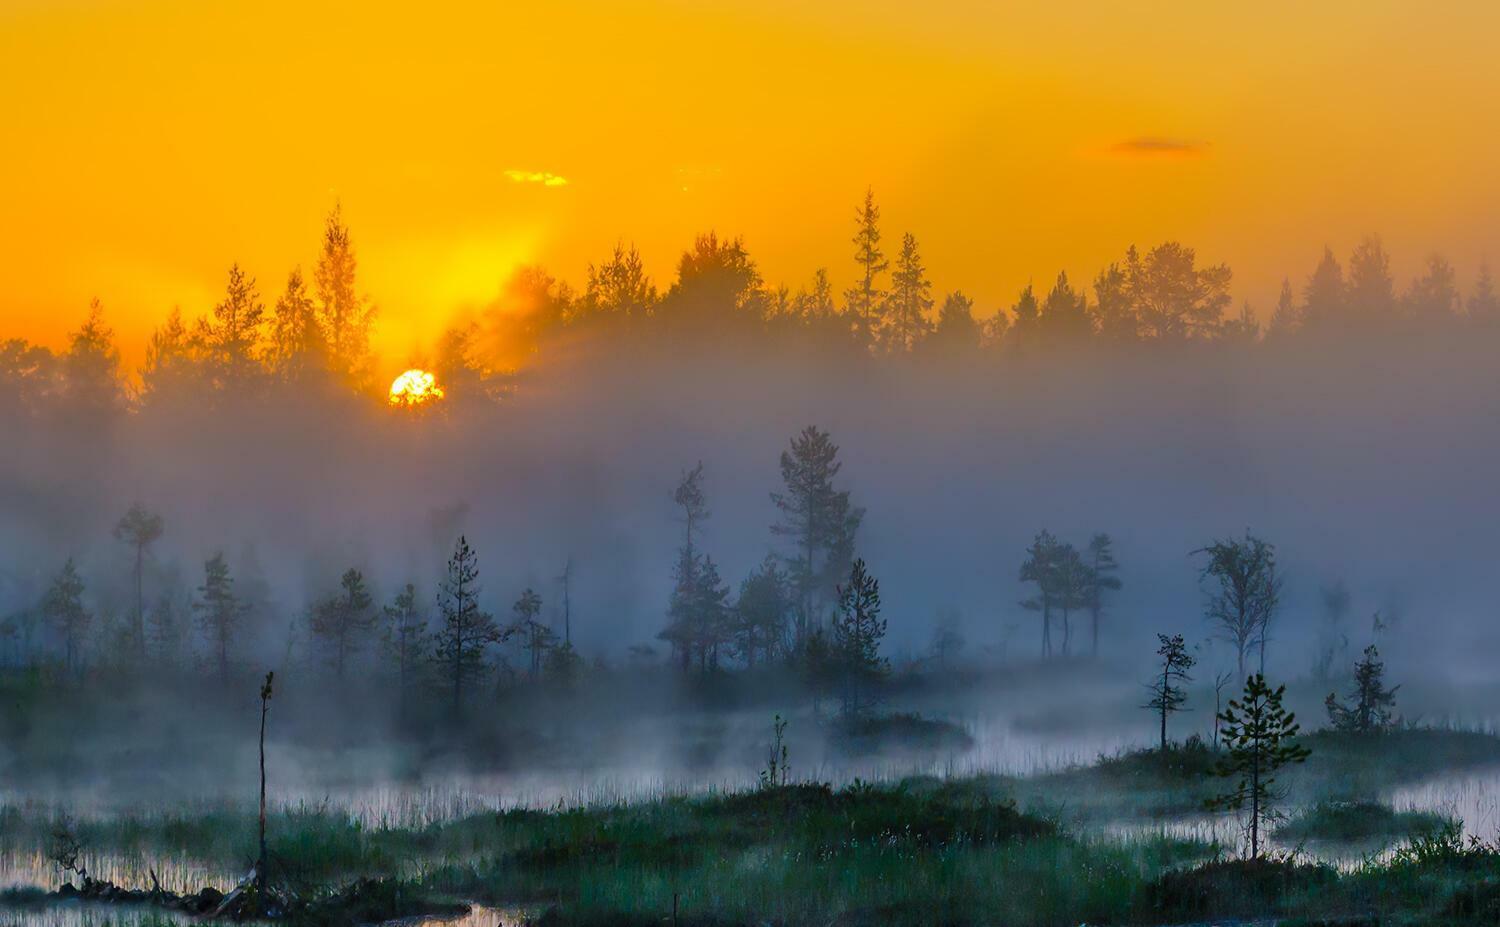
(415, 387)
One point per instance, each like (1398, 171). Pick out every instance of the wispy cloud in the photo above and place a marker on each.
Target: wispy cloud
(545, 178)
(1160, 145)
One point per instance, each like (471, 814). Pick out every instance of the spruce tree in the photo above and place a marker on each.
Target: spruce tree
(904, 320)
(344, 316)
(404, 639)
(864, 298)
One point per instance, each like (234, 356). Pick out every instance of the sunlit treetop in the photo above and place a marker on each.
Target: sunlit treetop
(414, 387)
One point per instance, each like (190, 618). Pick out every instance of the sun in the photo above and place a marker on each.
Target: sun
(414, 387)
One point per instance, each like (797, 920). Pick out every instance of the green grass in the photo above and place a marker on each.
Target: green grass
(1356, 822)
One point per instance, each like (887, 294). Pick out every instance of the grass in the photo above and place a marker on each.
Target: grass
(980, 850)
(1357, 822)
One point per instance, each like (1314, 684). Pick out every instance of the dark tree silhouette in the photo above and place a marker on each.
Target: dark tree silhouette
(818, 519)
(466, 631)
(1172, 297)
(1041, 567)
(261, 860)
(405, 638)
(904, 322)
(62, 607)
(343, 620)
(1100, 579)
(1371, 704)
(140, 529)
(1244, 593)
(864, 298)
(1259, 735)
(536, 638)
(857, 633)
(1167, 692)
(220, 611)
(344, 315)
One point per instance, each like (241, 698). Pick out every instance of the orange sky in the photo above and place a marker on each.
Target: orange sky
(148, 144)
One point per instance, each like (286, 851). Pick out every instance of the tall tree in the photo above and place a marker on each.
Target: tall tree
(536, 638)
(904, 317)
(1064, 318)
(404, 638)
(1114, 316)
(760, 614)
(1025, 328)
(1371, 705)
(1433, 297)
(297, 348)
(62, 607)
(864, 298)
(172, 362)
(857, 634)
(220, 611)
(344, 315)
(91, 388)
(1101, 578)
(1371, 292)
(460, 642)
(817, 518)
(717, 283)
(1244, 593)
(1260, 736)
(140, 529)
(232, 335)
(1172, 296)
(343, 620)
(1168, 694)
(1324, 296)
(1041, 567)
(1484, 304)
(956, 329)
(619, 287)
(1287, 318)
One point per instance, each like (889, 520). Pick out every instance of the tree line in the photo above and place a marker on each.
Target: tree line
(316, 332)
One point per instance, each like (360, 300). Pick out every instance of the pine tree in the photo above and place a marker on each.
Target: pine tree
(1287, 318)
(1371, 292)
(1041, 567)
(904, 319)
(956, 329)
(760, 614)
(140, 529)
(1324, 296)
(404, 639)
(1100, 579)
(90, 388)
(864, 298)
(818, 519)
(1025, 326)
(232, 337)
(1484, 304)
(1371, 706)
(1064, 317)
(1433, 297)
(1172, 297)
(1167, 692)
(460, 642)
(297, 349)
(62, 607)
(1259, 735)
(343, 620)
(220, 611)
(1114, 317)
(172, 363)
(857, 633)
(536, 638)
(619, 287)
(344, 316)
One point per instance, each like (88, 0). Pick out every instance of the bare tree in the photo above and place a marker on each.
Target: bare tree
(1244, 592)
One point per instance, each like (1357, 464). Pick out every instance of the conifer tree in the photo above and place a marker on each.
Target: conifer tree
(404, 639)
(619, 287)
(904, 319)
(460, 641)
(343, 620)
(62, 608)
(760, 614)
(220, 611)
(857, 633)
(864, 298)
(344, 316)
(1484, 304)
(1287, 318)
(817, 519)
(1371, 704)
(1167, 692)
(1101, 578)
(1041, 567)
(140, 529)
(297, 348)
(1259, 734)
(536, 638)
(232, 336)
(1324, 297)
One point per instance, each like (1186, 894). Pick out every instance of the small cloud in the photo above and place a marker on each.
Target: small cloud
(1158, 145)
(545, 178)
